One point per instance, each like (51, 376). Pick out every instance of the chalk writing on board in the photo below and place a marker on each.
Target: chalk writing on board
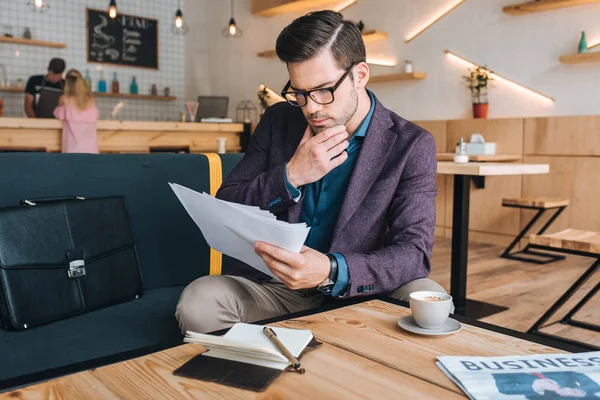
(126, 40)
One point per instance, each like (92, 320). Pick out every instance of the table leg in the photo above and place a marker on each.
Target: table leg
(460, 247)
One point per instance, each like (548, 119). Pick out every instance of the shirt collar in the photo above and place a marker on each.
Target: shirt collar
(364, 125)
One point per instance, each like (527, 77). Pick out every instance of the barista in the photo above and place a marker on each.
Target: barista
(43, 91)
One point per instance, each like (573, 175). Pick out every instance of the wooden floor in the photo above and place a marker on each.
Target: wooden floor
(527, 289)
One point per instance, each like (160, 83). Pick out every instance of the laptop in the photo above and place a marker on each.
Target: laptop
(212, 108)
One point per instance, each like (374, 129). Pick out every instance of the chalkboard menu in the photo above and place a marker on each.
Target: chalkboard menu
(126, 41)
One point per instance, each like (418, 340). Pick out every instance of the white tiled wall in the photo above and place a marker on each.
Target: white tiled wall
(65, 21)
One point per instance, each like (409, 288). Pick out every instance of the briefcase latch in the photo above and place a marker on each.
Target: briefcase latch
(76, 269)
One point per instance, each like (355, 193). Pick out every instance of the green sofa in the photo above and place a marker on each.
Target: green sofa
(172, 253)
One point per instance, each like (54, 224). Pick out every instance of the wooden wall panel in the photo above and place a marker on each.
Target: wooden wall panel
(486, 212)
(578, 135)
(575, 178)
(506, 133)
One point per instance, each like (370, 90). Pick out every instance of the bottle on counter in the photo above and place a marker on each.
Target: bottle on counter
(461, 155)
(133, 89)
(88, 79)
(102, 83)
(115, 83)
(154, 90)
(583, 47)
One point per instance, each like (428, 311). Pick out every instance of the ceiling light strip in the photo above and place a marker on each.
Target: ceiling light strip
(430, 23)
(495, 75)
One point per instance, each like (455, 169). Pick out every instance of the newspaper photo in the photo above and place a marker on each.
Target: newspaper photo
(540, 376)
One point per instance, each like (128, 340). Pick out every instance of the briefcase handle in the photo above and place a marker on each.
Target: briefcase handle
(33, 202)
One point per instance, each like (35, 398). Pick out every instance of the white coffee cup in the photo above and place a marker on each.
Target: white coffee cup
(427, 312)
(221, 141)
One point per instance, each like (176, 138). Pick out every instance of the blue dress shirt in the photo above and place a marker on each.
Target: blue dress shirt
(323, 201)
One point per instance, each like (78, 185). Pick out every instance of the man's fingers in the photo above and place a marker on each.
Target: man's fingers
(308, 133)
(330, 132)
(335, 140)
(284, 256)
(336, 150)
(337, 161)
(280, 269)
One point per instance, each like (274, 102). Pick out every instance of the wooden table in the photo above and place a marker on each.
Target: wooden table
(364, 355)
(463, 174)
(481, 157)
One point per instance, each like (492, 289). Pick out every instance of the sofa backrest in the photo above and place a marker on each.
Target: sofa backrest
(171, 248)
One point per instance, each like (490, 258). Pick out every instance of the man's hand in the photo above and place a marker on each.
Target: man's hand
(303, 270)
(317, 155)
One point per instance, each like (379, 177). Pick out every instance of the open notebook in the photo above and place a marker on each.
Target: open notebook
(244, 357)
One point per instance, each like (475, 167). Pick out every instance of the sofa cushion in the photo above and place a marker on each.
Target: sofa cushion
(171, 248)
(148, 322)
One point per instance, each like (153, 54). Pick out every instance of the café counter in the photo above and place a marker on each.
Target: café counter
(22, 134)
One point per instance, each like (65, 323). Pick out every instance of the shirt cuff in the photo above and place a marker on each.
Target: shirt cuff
(294, 192)
(343, 278)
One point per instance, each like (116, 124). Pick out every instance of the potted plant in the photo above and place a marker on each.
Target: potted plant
(477, 81)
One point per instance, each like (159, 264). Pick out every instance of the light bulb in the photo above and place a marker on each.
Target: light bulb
(39, 3)
(178, 22)
(112, 12)
(232, 29)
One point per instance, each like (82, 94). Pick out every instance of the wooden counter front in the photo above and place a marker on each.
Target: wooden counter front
(123, 136)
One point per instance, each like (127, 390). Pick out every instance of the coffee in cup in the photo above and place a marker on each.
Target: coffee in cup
(430, 310)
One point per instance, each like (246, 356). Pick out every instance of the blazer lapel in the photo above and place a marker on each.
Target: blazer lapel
(375, 149)
(295, 211)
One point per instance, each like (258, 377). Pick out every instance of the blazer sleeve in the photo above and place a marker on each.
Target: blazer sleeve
(407, 246)
(254, 181)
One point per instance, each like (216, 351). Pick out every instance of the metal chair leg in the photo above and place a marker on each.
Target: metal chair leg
(565, 297)
(544, 258)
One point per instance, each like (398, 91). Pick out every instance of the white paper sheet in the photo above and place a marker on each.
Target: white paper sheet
(233, 228)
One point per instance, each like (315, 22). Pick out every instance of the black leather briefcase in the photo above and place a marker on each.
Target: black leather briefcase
(63, 257)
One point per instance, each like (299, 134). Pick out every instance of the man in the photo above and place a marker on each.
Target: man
(43, 91)
(363, 178)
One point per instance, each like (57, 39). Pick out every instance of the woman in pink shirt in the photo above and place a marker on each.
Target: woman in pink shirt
(77, 109)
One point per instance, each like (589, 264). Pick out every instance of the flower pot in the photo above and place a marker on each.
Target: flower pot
(480, 110)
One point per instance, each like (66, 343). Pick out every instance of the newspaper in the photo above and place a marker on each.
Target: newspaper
(539, 377)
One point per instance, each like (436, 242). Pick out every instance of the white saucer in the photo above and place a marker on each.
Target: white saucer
(450, 326)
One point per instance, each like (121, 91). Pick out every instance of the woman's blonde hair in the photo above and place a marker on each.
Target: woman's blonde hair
(76, 89)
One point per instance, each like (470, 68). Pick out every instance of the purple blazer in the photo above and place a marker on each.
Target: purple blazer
(386, 223)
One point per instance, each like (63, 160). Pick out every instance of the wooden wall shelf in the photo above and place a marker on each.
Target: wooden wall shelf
(374, 34)
(135, 96)
(270, 8)
(544, 5)
(398, 77)
(579, 58)
(13, 89)
(32, 42)
(371, 34)
(267, 54)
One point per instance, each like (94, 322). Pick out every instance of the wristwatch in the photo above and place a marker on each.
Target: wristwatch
(327, 285)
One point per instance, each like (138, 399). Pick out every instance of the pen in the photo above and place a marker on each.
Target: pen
(273, 338)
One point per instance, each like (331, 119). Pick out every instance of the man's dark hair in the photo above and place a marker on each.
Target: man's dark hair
(57, 65)
(315, 32)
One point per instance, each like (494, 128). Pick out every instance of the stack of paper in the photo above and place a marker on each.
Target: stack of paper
(233, 228)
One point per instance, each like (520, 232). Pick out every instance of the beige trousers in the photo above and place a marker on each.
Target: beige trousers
(216, 302)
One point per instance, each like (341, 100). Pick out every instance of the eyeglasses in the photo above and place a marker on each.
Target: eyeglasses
(320, 96)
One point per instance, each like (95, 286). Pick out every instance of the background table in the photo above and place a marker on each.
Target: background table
(463, 174)
(481, 157)
(364, 355)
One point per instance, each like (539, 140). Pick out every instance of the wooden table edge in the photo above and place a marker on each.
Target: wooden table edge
(11, 384)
